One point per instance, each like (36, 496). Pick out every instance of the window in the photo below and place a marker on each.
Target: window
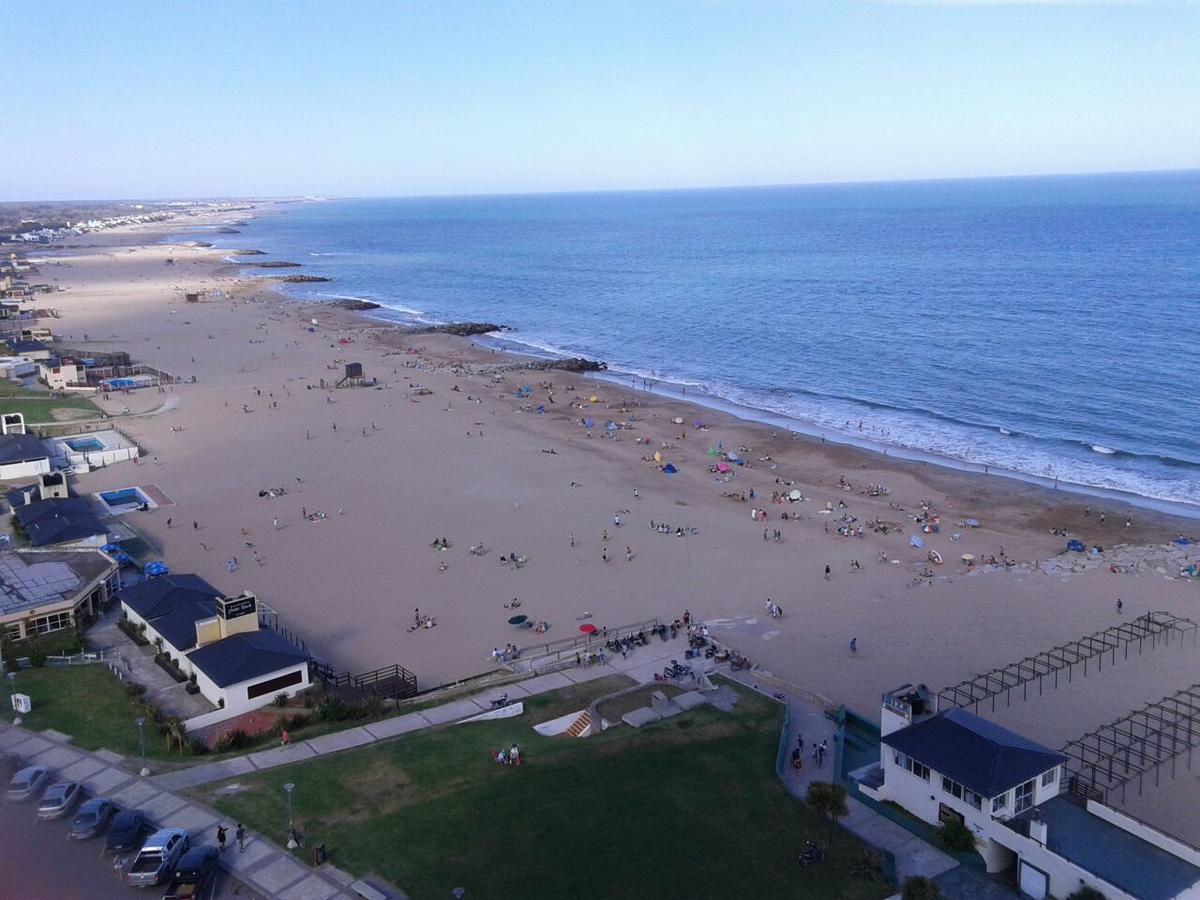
(999, 803)
(1024, 799)
(52, 622)
(274, 685)
(907, 762)
(956, 790)
(1048, 778)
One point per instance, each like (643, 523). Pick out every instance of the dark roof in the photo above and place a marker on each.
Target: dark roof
(978, 754)
(20, 347)
(241, 657)
(21, 494)
(15, 448)
(172, 605)
(1125, 861)
(59, 521)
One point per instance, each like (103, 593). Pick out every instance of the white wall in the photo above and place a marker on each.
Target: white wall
(25, 469)
(236, 695)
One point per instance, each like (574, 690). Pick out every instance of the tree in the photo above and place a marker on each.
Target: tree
(918, 887)
(827, 800)
(176, 732)
(954, 835)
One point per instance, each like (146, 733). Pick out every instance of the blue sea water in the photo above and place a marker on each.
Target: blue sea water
(1040, 326)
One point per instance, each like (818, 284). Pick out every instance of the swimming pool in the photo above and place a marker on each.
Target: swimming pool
(85, 445)
(124, 499)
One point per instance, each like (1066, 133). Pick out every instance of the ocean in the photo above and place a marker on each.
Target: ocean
(1041, 327)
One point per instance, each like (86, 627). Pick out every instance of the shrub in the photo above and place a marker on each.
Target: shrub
(198, 747)
(954, 835)
(232, 740)
(296, 722)
(135, 690)
(918, 887)
(282, 700)
(37, 658)
(333, 709)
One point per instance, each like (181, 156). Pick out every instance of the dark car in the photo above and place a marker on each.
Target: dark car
(128, 829)
(93, 817)
(194, 875)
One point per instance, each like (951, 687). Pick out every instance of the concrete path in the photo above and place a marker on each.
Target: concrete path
(372, 732)
(265, 868)
(806, 718)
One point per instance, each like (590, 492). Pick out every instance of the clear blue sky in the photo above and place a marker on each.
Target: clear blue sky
(187, 99)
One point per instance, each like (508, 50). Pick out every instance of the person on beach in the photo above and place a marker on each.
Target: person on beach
(240, 834)
(284, 738)
(854, 646)
(195, 525)
(221, 838)
(828, 572)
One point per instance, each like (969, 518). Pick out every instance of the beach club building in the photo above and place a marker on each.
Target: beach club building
(954, 766)
(22, 456)
(42, 591)
(237, 665)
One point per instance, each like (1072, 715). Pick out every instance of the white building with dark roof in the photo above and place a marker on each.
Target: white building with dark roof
(952, 765)
(48, 590)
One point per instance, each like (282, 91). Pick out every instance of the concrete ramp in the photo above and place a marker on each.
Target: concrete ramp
(504, 712)
(576, 724)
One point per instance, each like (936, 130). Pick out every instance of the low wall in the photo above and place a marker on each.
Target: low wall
(211, 718)
(1150, 835)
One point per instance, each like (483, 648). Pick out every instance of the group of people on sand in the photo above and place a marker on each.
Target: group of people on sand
(678, 531)
(421, 621)
(510, 651)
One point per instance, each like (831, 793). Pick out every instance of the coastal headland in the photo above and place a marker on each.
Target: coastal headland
(448, 443)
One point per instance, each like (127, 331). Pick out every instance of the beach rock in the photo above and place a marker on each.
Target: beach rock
(575, 364)
(301, 279)
(462, 329)
(249, 253)
(278, 264)
(353, 303)
(228, 231)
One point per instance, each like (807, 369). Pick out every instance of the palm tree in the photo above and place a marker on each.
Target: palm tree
(177, 732)
(829, 800)
(918, 887)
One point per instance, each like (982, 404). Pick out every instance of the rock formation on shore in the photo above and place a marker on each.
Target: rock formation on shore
(462, 329)
(573, 364)
(278, 264)
(249, 253)
(300, 279)
(354, 303)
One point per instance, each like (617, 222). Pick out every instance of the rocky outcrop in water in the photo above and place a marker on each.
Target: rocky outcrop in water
(228, 231)
(249, 253)
(301, 279)
(278, 264)
(574, 364)
(353, 303)
(462, 329)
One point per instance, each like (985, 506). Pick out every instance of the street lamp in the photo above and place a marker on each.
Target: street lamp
(292, 843)
(12, 697)
(141, 720)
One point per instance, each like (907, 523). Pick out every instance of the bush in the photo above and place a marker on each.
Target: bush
(170, 667)
(296, 722)
(333, 709)
(232, 740)
(135, 690)
(198, 747)
(132, 632)
(282, 700)
(37, 658)
(956, 836)
(918, 887)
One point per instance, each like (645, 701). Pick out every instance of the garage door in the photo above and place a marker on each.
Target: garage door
(1033, 882)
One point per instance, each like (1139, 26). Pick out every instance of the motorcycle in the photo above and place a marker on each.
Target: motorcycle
(500, 702)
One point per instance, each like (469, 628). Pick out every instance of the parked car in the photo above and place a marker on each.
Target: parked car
(195, 875)
(59, 799)
(27, 783)
(93, 817)
(156, 860)
(128, 828)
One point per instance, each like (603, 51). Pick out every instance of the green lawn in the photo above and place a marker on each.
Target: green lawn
(90, 704)
(689, 807)
(36, 405)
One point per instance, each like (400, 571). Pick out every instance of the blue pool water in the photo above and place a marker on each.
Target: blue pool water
(84, 445)
(1043, 326)
(123, 497)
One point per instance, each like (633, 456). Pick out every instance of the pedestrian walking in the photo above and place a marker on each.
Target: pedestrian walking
(241, 838)
(275, 522)
(1119, 605)
(854, 645)
(284, 738)
(821, 753)
(828, 572)
(628, 555)
(221, 837)
(168, 523)
(195, 525)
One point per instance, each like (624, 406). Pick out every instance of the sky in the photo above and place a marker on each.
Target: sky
(172, 99)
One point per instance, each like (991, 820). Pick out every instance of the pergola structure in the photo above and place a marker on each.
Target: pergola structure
(1135, 745)
(1155, 627)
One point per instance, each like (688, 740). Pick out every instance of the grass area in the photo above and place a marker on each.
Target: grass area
(63, 642)
(36, 405)
(90, 704)
(612, 710)
(685, 807)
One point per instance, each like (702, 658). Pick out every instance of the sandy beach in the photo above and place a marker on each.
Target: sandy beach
(442, 448)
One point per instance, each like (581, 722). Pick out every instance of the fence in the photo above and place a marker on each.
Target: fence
(540, 656)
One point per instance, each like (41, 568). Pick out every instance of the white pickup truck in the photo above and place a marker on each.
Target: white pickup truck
(156, 860)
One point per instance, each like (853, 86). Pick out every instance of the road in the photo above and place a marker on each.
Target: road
(39, 860)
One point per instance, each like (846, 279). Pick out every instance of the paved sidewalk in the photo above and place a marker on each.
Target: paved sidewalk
(380, 730)
(913, 855)
(267, 869)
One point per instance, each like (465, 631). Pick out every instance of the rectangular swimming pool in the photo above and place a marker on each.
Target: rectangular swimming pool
(85, 445)
(124, 499)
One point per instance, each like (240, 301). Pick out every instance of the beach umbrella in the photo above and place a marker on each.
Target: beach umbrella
(722, 467)
(678, 420)
(610, 425)
(587, 628)
(915, 541)
(588, 422)
(156, 568)
(794, 495)
(696, 423)
(713, 451)
(968, 558)
(593, 399)
(1076, 546)
(971, 523)
(669, 469)
(657, 456)
(111, 548)
(517, 620)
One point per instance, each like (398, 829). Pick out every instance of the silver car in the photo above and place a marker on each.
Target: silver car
(58, 800)
(26, 784)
